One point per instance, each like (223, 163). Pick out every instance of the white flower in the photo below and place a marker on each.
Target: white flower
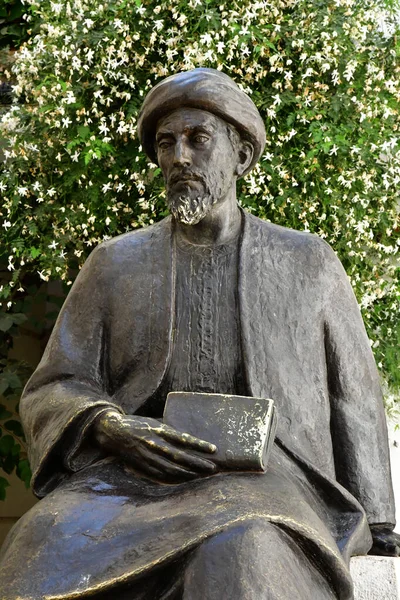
(89, 55)
(56, 8)
(66, 122)
(70, 98)
(43, 276)
(335, 77)
(53, 245)
(6, 225)
(277, 100)
(104, 129)
(333, 150)
(268, 156)
(309, 72)
(106, 187)
(206, 39)
(122, 127)
(51, 192)
(158, 24)
(22, 191)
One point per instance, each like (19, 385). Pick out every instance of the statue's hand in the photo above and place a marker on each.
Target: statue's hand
(153, 447)
(385, 541)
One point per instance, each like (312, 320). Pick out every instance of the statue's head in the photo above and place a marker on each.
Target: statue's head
(204, 133)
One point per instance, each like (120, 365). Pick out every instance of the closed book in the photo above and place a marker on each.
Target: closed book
(242, 427)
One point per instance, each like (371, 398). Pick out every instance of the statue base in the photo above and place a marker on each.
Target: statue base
(375, 577)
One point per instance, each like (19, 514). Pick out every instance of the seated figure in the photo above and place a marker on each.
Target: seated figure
(212, 300)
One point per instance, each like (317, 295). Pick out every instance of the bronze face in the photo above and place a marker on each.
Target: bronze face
(198, 161)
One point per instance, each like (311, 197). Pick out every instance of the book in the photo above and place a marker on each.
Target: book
(242, 427)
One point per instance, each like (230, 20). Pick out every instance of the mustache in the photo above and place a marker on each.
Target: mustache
(179, 176)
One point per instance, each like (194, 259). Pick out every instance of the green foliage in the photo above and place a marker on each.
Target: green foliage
(13, 27)
(34, 313)
(13, 375)
(324, 74)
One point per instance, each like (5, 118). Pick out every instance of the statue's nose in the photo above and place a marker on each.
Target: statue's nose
(182, 154)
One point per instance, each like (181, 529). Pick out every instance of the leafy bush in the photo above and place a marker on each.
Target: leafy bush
(14, 29)
(325, 75)
(12, 451)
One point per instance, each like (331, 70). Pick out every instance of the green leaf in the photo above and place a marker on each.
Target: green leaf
(4, 413)
(15, 427)
(19, 318)
(6, 322)
(9, 463)
(6, 445)
(9, 379)
(35, 252)
(83, 131)
(16, 450)
(17, 11)
(24, 472)
(4, 484)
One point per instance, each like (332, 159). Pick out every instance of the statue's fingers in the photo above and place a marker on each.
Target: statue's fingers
(167, 467)
(187, 440)
(145, 468)
(180, 456)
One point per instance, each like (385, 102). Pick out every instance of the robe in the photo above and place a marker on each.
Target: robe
(302, 343)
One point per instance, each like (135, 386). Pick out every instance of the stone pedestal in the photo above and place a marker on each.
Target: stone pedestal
(375, 578)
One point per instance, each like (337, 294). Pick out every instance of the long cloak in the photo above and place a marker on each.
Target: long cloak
(304, 345)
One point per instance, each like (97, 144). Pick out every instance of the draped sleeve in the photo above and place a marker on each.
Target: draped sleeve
(358, 424)
(69, 387)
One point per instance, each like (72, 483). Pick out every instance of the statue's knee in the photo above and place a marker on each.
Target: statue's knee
(247, 538)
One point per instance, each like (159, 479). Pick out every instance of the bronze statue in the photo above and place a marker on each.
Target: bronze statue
(210, 300)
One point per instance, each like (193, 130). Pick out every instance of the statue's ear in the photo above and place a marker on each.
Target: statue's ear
(246, 152)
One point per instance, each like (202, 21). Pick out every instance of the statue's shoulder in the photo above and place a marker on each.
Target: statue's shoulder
(130, 245)
(301, 247)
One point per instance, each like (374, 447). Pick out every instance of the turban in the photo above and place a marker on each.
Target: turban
(205, 89)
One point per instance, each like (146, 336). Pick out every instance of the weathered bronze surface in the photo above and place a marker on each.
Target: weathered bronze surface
(210, 300)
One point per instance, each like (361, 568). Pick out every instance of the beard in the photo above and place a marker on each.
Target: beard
(188, 204)
(190, 209)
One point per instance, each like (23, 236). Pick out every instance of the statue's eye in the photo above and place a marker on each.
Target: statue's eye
(164, 144)
(200, 138)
